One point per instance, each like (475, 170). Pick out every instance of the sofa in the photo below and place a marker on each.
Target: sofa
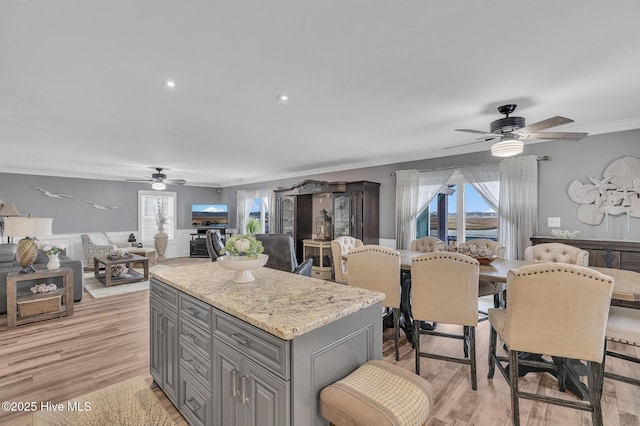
(9, 264)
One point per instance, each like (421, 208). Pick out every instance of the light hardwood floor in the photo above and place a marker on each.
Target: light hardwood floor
(107, 341)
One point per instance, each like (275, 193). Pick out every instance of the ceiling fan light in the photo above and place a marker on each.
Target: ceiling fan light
(158, 186)
(507, 148)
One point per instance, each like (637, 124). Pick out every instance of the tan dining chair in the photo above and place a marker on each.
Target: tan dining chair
(485, 287)
(554, 309)
(378, 268)
(623, 327)
(428, 245)
(556, 252)
(339, 248)
(445, 290)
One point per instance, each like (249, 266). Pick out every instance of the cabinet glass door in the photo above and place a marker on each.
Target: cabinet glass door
(288, 215)
(341, 216)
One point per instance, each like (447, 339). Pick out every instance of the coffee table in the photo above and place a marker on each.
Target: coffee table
(104, 275)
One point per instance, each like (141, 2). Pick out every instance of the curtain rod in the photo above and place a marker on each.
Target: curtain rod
(542, 158)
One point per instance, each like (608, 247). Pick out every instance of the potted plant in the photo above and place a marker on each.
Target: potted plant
(252, 226)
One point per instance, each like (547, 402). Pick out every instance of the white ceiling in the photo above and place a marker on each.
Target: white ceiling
(371, 82)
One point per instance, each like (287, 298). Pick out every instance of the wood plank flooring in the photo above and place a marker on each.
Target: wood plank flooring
(107, 341)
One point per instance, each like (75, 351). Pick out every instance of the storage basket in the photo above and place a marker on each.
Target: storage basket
(39, 304)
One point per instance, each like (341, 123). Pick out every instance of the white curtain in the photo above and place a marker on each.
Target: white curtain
(486, 180)
(407, 190)
(430, 184)
(518, 216)
(267, 199)
(245, 199)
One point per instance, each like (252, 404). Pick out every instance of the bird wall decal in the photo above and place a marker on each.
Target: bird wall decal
(100, 207)
(51, 194)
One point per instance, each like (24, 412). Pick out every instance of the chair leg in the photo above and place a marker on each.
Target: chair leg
(562, 373)
(396, 331)
(416, 344)
(595, 380)
(493, 337)
(513, 384)
(496, 300)
(465, 341)
(472, 348)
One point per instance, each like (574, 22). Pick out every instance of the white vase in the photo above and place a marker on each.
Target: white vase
(54, 262)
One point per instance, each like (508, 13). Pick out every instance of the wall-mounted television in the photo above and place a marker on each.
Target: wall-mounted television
(209, 215)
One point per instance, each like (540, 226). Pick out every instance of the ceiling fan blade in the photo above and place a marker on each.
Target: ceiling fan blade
(480, 132)
(470, 143)
(175, 181)
(554, 135)
(140, 180)
(544, 124)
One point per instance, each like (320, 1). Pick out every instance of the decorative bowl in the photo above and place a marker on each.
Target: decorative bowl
(485, 260)
(243, 266)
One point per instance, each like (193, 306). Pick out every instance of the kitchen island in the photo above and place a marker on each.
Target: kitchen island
(260, 352)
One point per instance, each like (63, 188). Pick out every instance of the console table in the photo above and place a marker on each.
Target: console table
(14, 297)
(619, 254)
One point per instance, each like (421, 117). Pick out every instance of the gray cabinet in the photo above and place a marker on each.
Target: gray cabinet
(245, 393)
(164, 340)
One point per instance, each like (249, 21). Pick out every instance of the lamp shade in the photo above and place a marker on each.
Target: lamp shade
(27, 226)
(507, 148)
(9, 209)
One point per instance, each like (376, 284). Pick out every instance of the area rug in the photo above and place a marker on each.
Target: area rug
(130, 403)
(97, 289)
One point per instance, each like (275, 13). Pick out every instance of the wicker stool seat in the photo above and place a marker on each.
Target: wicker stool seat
(377, 393)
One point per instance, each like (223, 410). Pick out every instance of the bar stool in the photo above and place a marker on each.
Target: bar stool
(623, 326)
(377, 393)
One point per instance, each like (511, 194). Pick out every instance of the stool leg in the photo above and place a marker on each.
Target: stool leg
(493, 337)
(472, 353)
(513, 383)
(396, 331)
(416, 344)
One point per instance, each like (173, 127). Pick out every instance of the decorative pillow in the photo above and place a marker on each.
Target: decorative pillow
(119, 271)
(7, 253)
(99, 239)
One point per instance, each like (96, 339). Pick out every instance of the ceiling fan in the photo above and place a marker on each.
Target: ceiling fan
(511, 131)
(159, 180)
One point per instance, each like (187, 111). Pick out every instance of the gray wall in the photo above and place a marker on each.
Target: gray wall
(569, 161)
(77, 216)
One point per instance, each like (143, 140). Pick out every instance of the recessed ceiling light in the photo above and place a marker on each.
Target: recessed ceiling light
(283, 97)
(171, 84)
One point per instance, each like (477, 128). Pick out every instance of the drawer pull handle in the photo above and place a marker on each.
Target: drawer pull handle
(243, 340)
(193, 364)
(245, 399)
(234, 383)
(193, 405)
(193, 337)
(193, 311)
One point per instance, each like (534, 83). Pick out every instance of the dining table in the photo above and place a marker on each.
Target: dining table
(626, 291)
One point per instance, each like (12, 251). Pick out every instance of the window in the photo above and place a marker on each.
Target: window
(260, 212)
(148, 204)
(458, 213)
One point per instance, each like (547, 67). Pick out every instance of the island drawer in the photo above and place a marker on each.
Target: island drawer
(165, 293)
(196, 311)
(194, 338)
(266, 349)
(196, 404)
(198, 366)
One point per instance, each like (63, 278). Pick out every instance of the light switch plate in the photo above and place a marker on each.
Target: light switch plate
(553, 222)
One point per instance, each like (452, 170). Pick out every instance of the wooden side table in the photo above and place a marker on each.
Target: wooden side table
(13, 298)
(320, 249)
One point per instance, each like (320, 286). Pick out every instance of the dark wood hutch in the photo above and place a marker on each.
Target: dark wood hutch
(354, 209)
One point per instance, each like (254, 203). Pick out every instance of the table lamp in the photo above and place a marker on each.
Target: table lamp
(6, 210)
(29, 228)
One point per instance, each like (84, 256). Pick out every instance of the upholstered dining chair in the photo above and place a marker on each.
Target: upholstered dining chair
(623, 327)
(487, 288)
(214, 244)
(339, 248)
(445, 290)
(428, 244)
(281, 250)
(553, 309)
(556, 252)
(378, 268)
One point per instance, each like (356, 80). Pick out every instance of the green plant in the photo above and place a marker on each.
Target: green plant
(243, 245)
(252, 226)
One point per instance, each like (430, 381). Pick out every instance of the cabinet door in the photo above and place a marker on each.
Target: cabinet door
(226, 393)
(288, 210)
(171, 355)
(357, 215)
(155, 357)
(266, 397)
(341, 215)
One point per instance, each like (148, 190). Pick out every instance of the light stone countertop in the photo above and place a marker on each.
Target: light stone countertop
(281, 303)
